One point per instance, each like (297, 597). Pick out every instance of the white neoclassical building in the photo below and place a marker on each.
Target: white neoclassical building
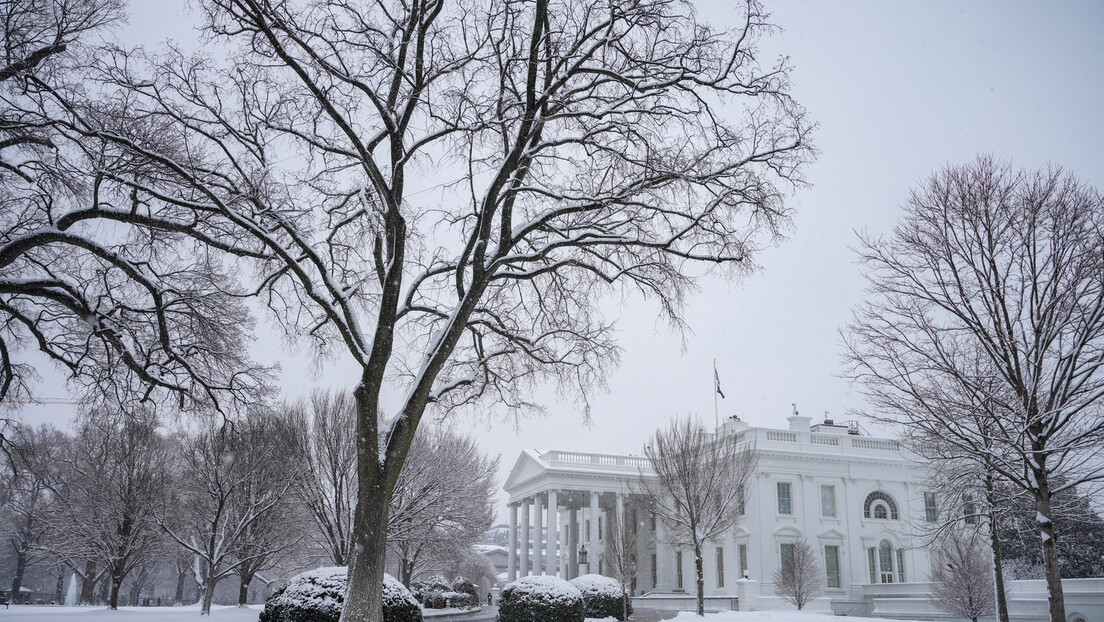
(854, 498)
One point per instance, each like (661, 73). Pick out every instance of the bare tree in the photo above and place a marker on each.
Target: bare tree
(115, 477)
(698, 489)
(443, 502)
(30, 502)
(962, 583)
(799, 578)
(327, 488)
(233, 481)
(619, 557)
(989, 298)
(574, 150)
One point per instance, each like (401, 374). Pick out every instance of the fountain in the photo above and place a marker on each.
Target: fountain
(73, 593)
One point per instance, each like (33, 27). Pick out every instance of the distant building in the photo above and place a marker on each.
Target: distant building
(849, 496)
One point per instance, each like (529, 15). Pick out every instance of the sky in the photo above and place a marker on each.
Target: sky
(899, 90)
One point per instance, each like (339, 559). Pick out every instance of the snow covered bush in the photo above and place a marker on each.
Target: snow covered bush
(319, 595)
(541, 599)
(464, 586)
(602, 596)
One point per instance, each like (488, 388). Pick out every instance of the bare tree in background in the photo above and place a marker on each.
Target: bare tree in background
(619, 557)
(30, 502)
(799, 578)
(699, 487)
(442, 193)
(962, 583)
(443, 502)
(233, 479)
(327, 488)
(115, 477)
(991, 292)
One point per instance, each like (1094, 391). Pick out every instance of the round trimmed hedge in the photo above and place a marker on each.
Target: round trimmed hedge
(541, 599)
(603, 596)
(319, 595)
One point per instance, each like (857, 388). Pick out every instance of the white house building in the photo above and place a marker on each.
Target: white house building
(854, 498)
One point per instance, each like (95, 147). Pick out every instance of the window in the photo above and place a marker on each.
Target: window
(655, 571)
(720, 566)
(885, 561)
(900, 565)
(587, 521)
(879, 504)
(652, 524)
(678, 569)
(785, 504)
(786, 549)
(599, 528)
(741, 503)
(831, 566)
(741, 552)
(969, 509)
(870, 558)
(931, 513)
(828, 501)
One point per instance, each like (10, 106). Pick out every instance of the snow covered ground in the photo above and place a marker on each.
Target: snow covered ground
(219, 613)
(234, 614)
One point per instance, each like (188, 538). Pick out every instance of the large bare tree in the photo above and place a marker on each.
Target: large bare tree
(699, 487)
(962, 583)
(29, 505)
(988, 301)
(799, 578)
(441, 192)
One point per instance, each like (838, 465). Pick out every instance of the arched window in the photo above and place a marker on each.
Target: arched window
(885, 561)
(880, 505)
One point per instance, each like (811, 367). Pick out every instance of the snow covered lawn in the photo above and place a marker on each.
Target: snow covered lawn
(45, 613)
(773, 616)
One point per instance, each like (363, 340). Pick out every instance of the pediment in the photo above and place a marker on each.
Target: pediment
(788, 532)
(831, 534)
(528, 466)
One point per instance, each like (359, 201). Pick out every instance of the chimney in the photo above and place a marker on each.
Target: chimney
(797, 422)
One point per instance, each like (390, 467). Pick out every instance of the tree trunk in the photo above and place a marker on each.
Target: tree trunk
(113, 598)
(208, 596)
(59, 587)
(699, 578)
(178, 597)
(243, 590)
(994, 542)
(1044, 516)
(20, 567)
(363, 603)
(88, 584)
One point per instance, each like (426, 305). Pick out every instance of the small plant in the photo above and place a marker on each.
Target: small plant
(319, 596)
(603, 596)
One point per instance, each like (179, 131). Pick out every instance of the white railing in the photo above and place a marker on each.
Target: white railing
(785, 437)
(874, 443)
(824, 439)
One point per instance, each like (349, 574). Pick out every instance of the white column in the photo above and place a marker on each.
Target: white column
(525, 539)
(511, 557)
(572, 544)
(553, 534)
(592, 545)
(538, 538)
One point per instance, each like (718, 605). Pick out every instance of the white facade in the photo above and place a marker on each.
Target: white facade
(851, 497)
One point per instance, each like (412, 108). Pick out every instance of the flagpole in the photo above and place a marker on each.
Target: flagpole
(716, 419)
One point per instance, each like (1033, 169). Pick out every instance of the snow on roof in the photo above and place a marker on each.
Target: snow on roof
(489, 548)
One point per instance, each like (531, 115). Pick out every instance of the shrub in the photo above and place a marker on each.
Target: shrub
(464, 586)
(460, 600)
(319, 595)
(433, 599)
(602, 596)
(541, 599)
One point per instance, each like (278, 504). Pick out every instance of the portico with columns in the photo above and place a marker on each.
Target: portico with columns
(560, 505)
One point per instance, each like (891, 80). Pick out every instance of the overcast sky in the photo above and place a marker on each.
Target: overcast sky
(899, 90)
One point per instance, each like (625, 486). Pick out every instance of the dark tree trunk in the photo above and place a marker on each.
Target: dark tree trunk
(994, 542)
(20, 567)
(59, 587)
(406, 571)
(113, 599)
(699, 578)
(209, 583)
(88, 584)
(1045, 518)
(243, 590)
(369, 553)
(181, 575)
